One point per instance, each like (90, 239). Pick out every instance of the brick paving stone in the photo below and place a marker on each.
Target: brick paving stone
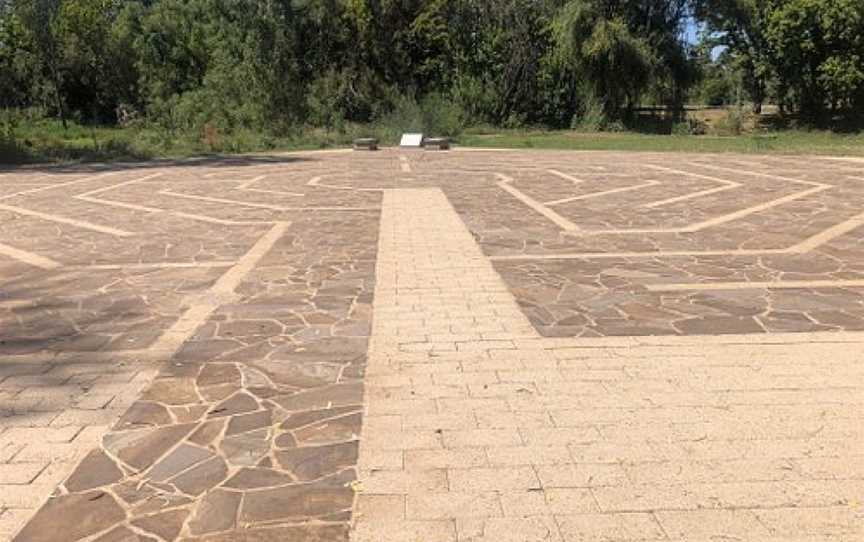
(524, 529)
(20, 473)
(545, 361)
(589, 440)
(605, 527)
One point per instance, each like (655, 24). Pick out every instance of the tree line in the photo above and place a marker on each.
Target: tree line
(279, 64)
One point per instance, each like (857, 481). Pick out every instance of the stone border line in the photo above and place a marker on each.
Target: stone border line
(90, 197)
(250, 431)
(570, 228)
(200, 308)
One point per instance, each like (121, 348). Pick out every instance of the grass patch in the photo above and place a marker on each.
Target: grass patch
(44, 141)
(785, 142)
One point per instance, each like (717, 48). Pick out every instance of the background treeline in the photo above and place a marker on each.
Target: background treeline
(219, 66)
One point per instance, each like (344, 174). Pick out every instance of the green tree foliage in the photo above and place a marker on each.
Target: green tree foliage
(818, 53)
(499, 46)
(70, 57)
(15, 71)
(276, 65)
(623, 49)
(807, 55)
(739, 26)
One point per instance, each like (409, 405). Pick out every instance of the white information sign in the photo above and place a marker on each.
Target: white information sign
(411, 140)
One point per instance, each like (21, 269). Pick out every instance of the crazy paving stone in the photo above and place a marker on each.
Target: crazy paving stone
(202, 477)
(213, 374)
(142, 414)
(325, 397)
(299, 419)
(303, 374)
(216, 512)
(172, 391)
(243, 423)
(332, 430)
(180, 459)
(254, 478)
(294, 533)
(237, 404)
(167, 524)
(285, 440)
(207, 432)
(314, 462)
(295, 502)
(96, 470)
(218, 392)
(188, 413)
(140, 449)
(247, 449)
(122, 534)
(81, 515)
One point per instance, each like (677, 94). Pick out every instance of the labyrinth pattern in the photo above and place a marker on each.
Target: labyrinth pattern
(679, 247)
(185, 344)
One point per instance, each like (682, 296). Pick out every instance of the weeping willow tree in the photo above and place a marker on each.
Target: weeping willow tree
(622, 50)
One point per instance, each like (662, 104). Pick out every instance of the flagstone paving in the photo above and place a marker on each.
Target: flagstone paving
(561, 346)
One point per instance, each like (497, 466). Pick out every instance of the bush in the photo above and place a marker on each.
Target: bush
(441, 115)
(328, 101)
(732, 123)
(591, 116)
(339, 97)
(11, 151)
(406, 116)
(717, 91)
(690, 126)
(476, 99)
(435, 115)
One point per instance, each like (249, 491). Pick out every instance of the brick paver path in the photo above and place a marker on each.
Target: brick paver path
(477, 429)
(433, 347)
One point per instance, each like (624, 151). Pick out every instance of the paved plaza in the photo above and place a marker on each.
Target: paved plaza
(410, 346)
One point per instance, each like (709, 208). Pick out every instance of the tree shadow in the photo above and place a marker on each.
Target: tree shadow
(38, 317)
(54, 346)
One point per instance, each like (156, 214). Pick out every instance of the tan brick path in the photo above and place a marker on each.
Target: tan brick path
(477, 429)
(55, 410)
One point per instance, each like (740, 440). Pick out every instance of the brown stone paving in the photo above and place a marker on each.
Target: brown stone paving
(250, 283)
(795, 265)
(264, 314)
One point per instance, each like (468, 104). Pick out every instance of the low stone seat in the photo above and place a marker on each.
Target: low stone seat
(437, 143)
(366, 143)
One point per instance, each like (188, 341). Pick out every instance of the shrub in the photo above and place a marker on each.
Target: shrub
(11, 151)
(441, 115)
(690, 126)
(476, 99)
(732, 123)
(328, 101)
(211, 136)
(591, 116)
(436, 114)
(717, 91)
